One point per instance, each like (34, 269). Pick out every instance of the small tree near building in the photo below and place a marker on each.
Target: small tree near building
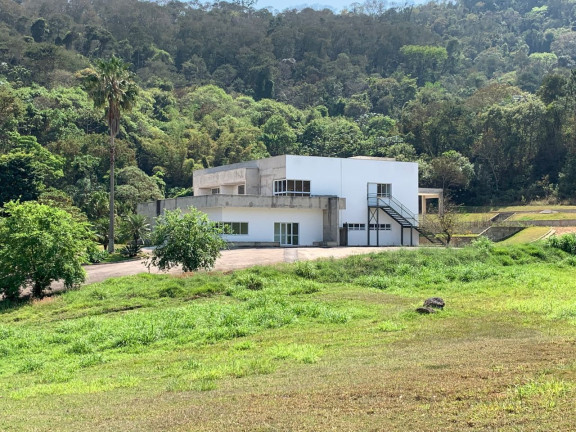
(446, 223)
(40, 244)
(190, 240)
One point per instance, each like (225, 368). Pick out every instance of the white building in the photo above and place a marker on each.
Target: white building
(305, 201)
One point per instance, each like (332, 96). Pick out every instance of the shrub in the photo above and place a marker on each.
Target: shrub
(190, 240)
(566, 242)
(40, 244)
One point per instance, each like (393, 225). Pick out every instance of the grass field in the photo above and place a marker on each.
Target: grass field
(313, 346)
(535, 208)
(542, 216)
(527, 235)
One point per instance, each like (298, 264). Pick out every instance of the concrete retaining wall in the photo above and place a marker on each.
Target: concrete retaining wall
(499, 233)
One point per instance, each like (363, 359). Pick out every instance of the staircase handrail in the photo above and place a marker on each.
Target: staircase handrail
(389, 201)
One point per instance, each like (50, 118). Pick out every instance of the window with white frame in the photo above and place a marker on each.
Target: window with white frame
(234, 228)
(292, 187)
(215, 191)
(241, 189)
(355, 226)
(380, 227)
(383, 190)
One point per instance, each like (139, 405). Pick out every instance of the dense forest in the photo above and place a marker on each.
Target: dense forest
(480, 93)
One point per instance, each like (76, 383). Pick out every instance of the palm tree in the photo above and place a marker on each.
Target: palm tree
(111, 86)
(136, 230)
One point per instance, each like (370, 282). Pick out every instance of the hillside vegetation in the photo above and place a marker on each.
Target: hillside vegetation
(480, 93)
(307, 346)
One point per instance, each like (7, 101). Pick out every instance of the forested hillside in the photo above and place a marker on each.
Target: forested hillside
(480, 93)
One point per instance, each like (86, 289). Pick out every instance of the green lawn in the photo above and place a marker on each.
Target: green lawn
(535, 208)
(542, 216)
(527, 235)
(325, 345)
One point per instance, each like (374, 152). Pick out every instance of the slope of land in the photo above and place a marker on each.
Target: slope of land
(321, 345)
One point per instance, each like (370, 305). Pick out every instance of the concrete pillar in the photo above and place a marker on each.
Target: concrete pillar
(331, 231)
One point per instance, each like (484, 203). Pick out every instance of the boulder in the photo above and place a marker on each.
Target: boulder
(434, 302)
(425, 310)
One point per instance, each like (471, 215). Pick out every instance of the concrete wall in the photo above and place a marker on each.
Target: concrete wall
(499, 233)
(271, 169)
(228, 181)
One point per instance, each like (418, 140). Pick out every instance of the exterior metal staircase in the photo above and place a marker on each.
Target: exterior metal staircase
(397, 211)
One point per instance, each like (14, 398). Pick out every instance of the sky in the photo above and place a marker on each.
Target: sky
(337, 5)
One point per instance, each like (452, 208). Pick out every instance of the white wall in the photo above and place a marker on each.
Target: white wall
(345, 178)
(261, 223)
(349, 178)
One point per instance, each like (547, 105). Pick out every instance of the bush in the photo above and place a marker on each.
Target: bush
(190, 240)
(566, 242)
(40, 244)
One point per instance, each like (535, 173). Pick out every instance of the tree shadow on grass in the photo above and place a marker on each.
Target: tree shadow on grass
(26, 299)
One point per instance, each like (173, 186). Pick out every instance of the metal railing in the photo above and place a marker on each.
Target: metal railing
(389, 201)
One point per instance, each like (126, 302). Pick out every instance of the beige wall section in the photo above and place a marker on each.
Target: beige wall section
(258, 176)
(228, 181)
(271, 169)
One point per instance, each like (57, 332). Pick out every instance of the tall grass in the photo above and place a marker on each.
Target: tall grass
(64, 344)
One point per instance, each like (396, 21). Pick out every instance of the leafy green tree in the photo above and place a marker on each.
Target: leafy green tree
(39, 30)
(11, 111)
(278, 137)
(450, 171)
(334, 137)
(135, 186)
(40, 244)
(18, 178)
(424, 62)
(111, 85)
(189, 239)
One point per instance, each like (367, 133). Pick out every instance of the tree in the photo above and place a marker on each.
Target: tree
(450, 171)
(446, 223)
(135, 230)
(424, 61)
(111, 86)
(135, 186)
(39, 30)
(40, 244)
(189, 239)
(18, 178)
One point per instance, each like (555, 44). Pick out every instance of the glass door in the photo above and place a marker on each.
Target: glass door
(286, 233)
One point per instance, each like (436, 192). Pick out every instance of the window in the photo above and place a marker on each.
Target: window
(241, 189)
(292, 187)
(235, 228)
(380, 227)
(286, 233)
(355, 227)
(215, 191)
(384, 190)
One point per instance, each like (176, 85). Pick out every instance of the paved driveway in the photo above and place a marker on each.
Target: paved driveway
(231, 260)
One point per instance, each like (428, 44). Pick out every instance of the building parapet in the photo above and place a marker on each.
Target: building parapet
(156, 208)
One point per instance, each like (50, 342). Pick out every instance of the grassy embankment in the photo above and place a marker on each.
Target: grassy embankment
(326, 345)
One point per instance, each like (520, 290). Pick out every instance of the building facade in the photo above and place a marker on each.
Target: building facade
(305, 201)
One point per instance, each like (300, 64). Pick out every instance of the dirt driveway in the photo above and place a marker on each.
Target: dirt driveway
(231, 260)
